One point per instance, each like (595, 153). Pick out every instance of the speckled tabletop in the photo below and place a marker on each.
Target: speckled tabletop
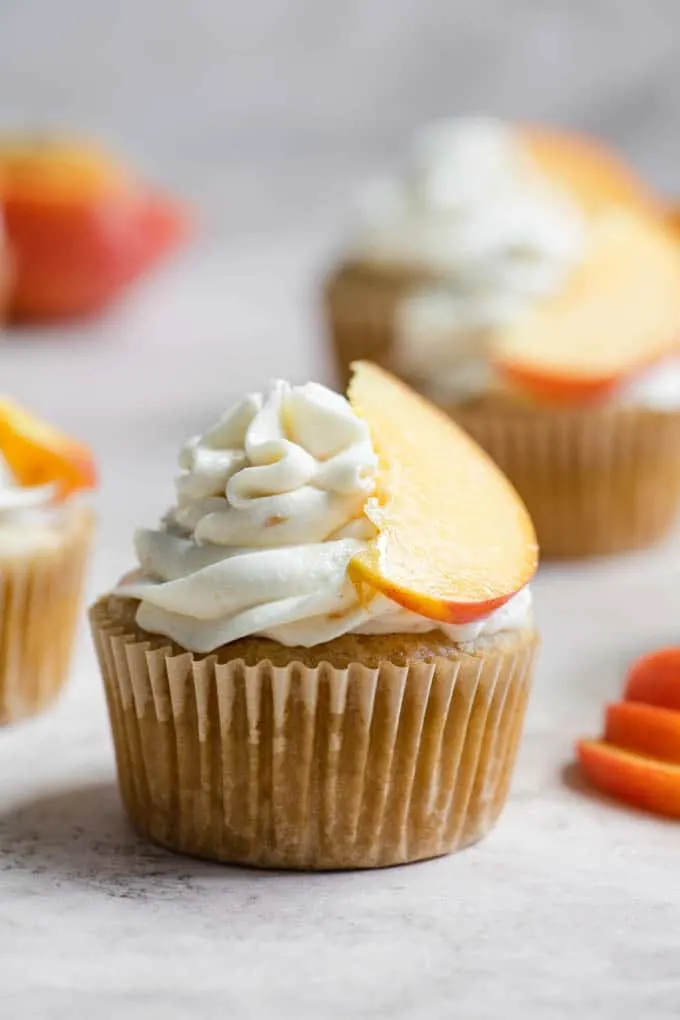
(267, 115)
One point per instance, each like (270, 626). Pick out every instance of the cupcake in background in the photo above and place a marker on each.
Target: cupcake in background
(80, 226)
(529, 284)
(45, 533)
(312, 667)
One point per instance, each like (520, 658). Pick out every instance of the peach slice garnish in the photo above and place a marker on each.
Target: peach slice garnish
(455, 541)
(644, 729)
(588, 170)
(38, 454)
(618, 314)
(654, 679)
(638, 780)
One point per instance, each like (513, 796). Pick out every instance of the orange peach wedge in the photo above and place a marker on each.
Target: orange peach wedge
(455, 541)
(587, 169)
(643, 782)
(38, 454)
(644, 729)
(618, 314)
(655, 679)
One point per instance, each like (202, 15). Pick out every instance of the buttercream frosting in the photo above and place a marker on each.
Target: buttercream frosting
(269, 513)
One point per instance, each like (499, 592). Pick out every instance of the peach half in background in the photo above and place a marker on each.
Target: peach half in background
(79, 227)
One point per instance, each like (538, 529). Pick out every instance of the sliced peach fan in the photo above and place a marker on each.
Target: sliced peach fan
(455, 541)
(618, 315)
(638, 759)
(38, 454)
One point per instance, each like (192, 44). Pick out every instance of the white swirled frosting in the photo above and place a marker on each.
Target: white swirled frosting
(474, 212)
(269, 514)
(24, 512)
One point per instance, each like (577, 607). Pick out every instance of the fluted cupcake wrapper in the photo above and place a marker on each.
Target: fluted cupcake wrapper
(311, 768)
(40, 594)
(594, 482)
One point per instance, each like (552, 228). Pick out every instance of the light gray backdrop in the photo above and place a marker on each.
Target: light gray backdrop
(304, 96)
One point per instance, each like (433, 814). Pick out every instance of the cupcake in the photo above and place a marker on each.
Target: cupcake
(45, 534)
(323, 657)
(529, 284)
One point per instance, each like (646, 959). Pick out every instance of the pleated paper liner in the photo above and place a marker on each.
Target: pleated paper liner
(594, 482)
(40, 593)
(311, 766)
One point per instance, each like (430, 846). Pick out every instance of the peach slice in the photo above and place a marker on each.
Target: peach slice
(644, 729)
(643, 782)
(586, 168)
(655, 679)
(38, 454)
(455, 540)
(618, 314)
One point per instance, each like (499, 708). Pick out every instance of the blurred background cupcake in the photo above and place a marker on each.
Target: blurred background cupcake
(527, 281)
(45, 536)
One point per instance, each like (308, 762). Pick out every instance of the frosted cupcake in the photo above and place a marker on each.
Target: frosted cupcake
(45, 533)
(529, 284)
(312, 666)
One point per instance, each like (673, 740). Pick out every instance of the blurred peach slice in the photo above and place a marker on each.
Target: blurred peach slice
(455, 541)
(654, 679)
(644, 729)
(618, 314)
(587, 169)
(636, 779)
(38, 454)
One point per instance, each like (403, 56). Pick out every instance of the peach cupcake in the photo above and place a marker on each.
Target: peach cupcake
(323, 657)
(45, 532)
(529, 284)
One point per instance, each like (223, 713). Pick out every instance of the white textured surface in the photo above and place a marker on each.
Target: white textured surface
(268, 113)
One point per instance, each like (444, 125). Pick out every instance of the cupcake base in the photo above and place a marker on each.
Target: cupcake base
(595, 482)
(366, 752)
(40, 591)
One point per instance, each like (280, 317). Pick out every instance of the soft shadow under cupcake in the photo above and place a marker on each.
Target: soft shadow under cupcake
(80, 835)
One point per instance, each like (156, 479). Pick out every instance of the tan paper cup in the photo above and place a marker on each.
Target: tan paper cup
(40, 592)
(294, 762)
(594, 482)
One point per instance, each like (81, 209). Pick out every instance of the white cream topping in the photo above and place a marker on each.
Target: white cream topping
(473, 210)
(657, 388)
(16, 499)
(26, 515)
(269, 514)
